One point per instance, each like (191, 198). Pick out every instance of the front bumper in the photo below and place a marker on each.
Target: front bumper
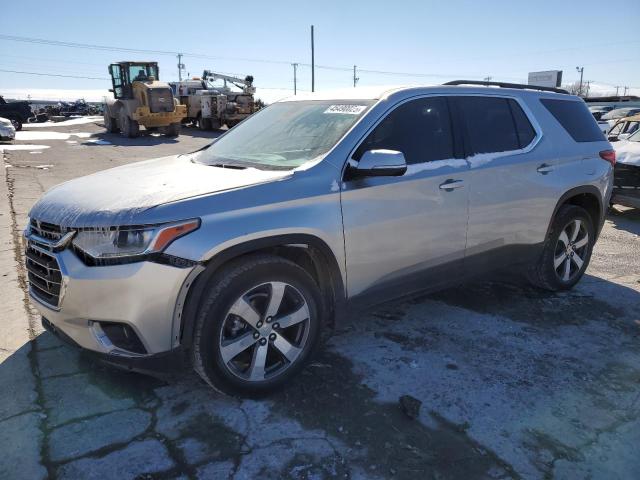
(159, 365)
(146, 296)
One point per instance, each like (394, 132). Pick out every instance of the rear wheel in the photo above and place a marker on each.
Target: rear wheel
(129, 127)
(258, 325)
(203, 123)
(17, 123)
(110, 123)
(566, 251)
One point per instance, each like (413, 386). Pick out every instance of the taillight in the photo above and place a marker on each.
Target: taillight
(609, 156)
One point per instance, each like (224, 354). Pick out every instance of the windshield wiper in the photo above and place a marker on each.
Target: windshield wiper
(228, 165)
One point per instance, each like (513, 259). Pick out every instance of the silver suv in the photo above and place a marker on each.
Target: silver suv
(242, 255)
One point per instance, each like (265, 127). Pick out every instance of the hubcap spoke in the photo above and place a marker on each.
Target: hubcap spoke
(577, 260)
(236, 346)
(245, 311)
(286, 348)
(582, 242)
(298, 316)
(559, 259)
(256, 369)
(564, 238)
(576, 229)
(275, 299)
(567, 270)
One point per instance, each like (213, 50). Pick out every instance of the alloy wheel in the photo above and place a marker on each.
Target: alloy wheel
(264, 331)
(571, 250)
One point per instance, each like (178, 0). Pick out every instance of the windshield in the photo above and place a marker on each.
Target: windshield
(635, 137)
(285, 135)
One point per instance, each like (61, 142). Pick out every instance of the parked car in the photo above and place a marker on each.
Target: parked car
(598, 110)
(242, 255)
(18, 112)
(626, 180)
(609, 119)
(624, 128)
(7, 130)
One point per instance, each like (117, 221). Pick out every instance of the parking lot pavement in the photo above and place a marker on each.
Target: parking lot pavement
(514, 382)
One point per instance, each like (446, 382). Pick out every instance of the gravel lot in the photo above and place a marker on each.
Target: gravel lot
(514, 382)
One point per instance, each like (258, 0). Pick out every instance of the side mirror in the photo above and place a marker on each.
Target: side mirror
(381, 163)
(111, 90)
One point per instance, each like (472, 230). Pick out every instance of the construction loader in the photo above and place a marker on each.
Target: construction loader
(141, 99)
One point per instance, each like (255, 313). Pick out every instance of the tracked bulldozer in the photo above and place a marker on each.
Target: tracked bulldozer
(141, 99)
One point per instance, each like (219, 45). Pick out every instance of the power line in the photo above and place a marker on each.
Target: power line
(53, 75)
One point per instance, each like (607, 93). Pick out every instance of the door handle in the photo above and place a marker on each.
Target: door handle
(545, 168)
(451, 184)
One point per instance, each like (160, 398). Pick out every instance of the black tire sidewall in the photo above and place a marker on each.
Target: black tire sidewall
(214, 315)
(566, 215)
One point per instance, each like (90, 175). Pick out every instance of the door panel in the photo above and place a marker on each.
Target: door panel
(398, 229)
(514, 182)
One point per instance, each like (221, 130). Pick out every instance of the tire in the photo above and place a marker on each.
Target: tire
(129, 128)
(110, 123)
(17, 123)
(173, 130)
(203, 123)
(564, 246)
(252, 281)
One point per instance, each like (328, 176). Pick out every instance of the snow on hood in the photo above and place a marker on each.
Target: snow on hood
(113, 197)
(627, 152)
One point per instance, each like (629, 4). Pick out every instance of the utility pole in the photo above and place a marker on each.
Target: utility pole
(355, 79)
(180, 67)
(487, 79)
(313, 64)
(581, 70)
(617, 88)
(625, 91)
(588, 86)
(295, 78)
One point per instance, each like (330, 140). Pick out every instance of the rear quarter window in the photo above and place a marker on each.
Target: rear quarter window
(575, 118)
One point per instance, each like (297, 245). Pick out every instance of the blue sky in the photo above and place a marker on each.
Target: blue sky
(447, 39)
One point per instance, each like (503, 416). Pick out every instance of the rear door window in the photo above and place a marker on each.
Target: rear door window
(575, 118)
(490, 124)
(526, 132)
(420, 129)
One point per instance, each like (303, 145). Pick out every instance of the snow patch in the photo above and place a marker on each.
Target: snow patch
(6, 148)
(64, 123)
(98, 142)
(334, 186)
(51, 135)
(434, 165)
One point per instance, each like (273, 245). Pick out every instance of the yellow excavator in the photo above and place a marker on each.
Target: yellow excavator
(141, 99)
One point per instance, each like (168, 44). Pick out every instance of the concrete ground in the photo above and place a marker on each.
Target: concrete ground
(514, 382)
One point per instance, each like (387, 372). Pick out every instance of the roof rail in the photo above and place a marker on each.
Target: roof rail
(519, 86)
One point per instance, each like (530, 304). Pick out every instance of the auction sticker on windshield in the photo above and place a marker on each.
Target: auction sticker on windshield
(348, 109)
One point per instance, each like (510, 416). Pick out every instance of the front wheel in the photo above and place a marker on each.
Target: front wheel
(130, 128)
(567, 250)
(172, 130)
(258, 325)
(110, 123)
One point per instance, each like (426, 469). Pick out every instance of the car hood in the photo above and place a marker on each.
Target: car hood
(113, 197)
(627, 152)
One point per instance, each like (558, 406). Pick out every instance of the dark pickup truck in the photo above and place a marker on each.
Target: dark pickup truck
(18, 112)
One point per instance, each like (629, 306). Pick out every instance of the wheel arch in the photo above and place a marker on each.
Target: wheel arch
(587, 197)
(308, 251)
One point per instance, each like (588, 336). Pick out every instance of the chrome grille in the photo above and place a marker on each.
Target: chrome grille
(43, 271)
(46, 230)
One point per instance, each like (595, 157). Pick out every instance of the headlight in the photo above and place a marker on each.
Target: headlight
(121, 242)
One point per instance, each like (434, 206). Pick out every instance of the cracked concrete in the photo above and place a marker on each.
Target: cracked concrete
(514, 383)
